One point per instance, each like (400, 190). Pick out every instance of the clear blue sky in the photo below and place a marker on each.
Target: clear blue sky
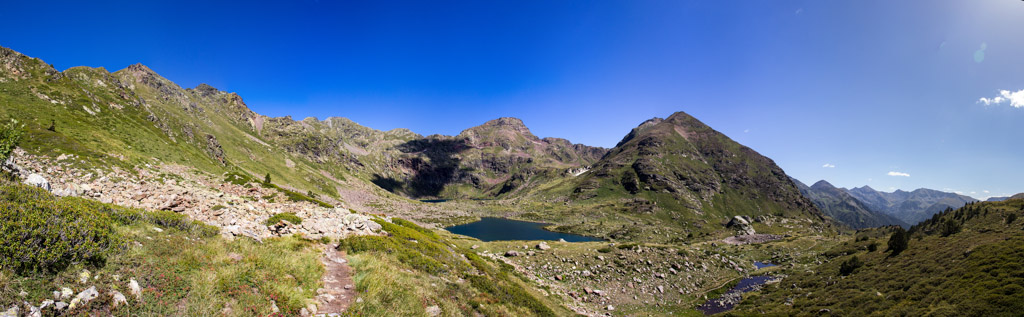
(869, 87)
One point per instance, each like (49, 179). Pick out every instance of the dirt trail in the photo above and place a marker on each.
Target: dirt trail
(339, 291)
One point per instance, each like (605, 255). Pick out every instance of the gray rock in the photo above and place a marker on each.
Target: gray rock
(434, 310)
(741, 224)
(118, 299)
(134, 288)
(65, 293)
(512, 253)
(12, 312)
(38, 181)
(543, 246)
(60, 305)
(84, 297)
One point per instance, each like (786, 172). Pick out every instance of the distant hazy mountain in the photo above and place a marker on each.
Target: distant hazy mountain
(911, 207)
(998, 198)
(843, 207)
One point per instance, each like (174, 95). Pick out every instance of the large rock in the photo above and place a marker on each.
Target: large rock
(12, 312)
(38, 181)
(742, 225)
(134, 288)
(84, 297)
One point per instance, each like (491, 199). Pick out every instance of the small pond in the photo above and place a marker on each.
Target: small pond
(761, 265)
(433, 201)
(729, 300)
(498, 229)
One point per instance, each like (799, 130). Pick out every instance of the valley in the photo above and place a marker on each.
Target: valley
(186, 202)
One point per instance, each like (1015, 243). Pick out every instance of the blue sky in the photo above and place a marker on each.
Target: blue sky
(879, 93)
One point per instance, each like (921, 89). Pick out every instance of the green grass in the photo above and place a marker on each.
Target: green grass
(414, 268)
(183, 268)
(286, 216)
(974, 272)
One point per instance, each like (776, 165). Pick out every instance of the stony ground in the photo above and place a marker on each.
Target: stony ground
(240, 210)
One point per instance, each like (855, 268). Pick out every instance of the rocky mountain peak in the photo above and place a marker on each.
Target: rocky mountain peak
(822, 184)
(139, 68)
(509, 123)
(205, 90)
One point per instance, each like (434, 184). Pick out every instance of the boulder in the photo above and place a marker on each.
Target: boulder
(84, 297)
(543, 246)
(134, 288)
(434, 310)
(512, 253)
(741, 224)
(38, 181)
(119, 299)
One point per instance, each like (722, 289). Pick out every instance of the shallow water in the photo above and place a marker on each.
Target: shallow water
(761, 265)
(500, 229)
(729, 300)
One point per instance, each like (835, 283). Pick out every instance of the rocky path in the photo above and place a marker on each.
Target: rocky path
(339, 291)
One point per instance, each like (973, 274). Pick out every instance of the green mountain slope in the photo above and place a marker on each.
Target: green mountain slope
(684, 168)
(134, 117)
(843, 207)
(964, 262)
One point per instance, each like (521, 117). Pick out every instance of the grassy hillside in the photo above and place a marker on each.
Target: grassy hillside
(413, 269)
(964, 262)
(683, 171)
(181, 267)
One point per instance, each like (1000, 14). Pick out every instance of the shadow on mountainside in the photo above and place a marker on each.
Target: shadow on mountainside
(433, 164)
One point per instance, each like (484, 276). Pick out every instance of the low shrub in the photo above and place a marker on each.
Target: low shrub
(848, 266)
(127, 216)
(39, 233)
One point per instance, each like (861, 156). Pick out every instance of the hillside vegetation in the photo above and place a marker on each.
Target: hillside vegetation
(140, 262)
(963, 262)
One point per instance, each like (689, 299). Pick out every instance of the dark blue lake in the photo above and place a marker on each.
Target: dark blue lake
(501, 229)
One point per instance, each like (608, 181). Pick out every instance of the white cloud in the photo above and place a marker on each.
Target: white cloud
(827, 165)
(1016, 98)
(899, 174)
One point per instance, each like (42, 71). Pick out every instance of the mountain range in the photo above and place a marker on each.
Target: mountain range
(673, 168)
(839, 204)
(913, 206)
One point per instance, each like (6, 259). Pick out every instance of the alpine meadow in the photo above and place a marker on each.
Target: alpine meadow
(528, 158)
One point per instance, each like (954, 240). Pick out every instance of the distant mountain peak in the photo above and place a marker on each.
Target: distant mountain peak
(506, 127)
(139, 68)
(822, 184)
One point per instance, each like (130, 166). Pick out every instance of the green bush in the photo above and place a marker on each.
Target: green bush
(848, 266)
(286, 216)
(1011, 218)
(10, 134)
(39, 233)
(164, 218)
(898, 241)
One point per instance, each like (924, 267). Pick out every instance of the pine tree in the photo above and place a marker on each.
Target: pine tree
(898, 241)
